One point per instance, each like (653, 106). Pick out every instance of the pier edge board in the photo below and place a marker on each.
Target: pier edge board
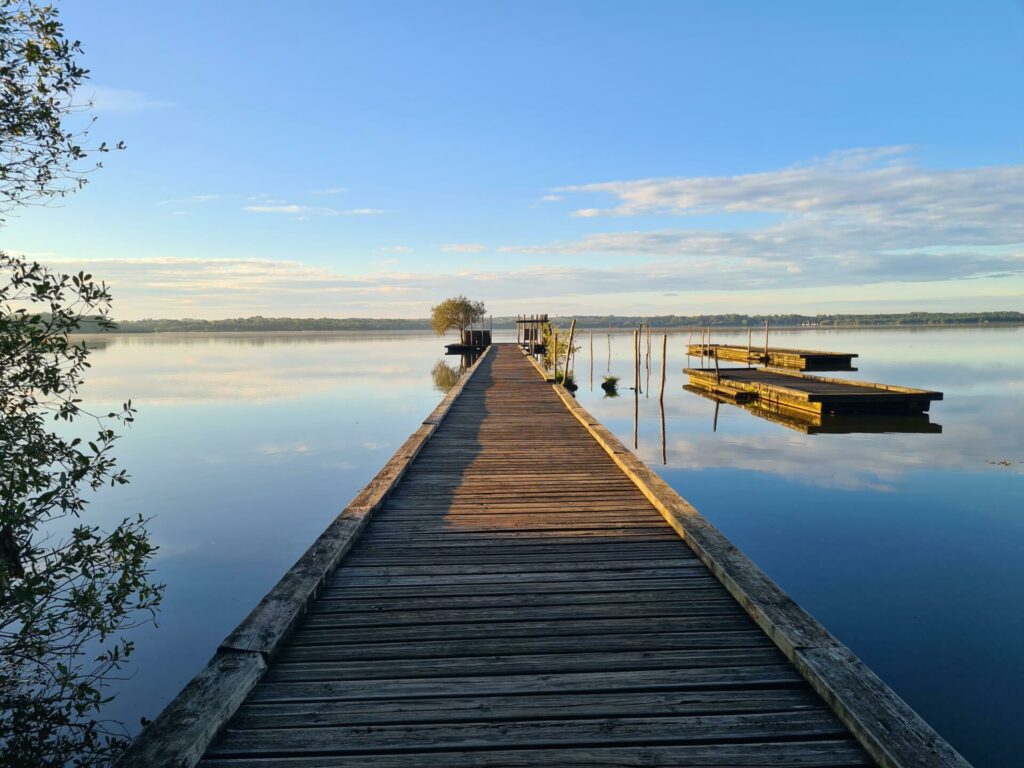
(886, 726)
(181, 733)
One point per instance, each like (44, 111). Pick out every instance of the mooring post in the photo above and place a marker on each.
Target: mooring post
(766, 341)
(609, 348)
(664, 364)
(749, 361)
(661, 409)
(636, 362)
(717, 377)
(568, 351)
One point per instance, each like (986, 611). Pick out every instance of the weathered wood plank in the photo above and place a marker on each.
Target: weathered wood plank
(182, 732)
(535, 707)
(338, 740)
(794, 754)
(717, 678)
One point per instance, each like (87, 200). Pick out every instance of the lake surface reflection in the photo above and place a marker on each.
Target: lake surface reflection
(908, 545)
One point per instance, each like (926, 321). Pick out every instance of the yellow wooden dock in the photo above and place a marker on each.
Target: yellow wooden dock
(780, 357)
(516, 588)
(795, 391)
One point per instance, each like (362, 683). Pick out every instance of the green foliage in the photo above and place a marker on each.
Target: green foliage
(555, 340)
(567, 380)
(67, 589)
(41, 156)
(456, 313)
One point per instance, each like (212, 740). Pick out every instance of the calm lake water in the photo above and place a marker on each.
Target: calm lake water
(909, 547)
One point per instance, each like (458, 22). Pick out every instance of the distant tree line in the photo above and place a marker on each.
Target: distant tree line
(258, 323)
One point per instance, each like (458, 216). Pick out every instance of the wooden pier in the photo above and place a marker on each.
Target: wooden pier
(781, 357)
(516, 588)
(812, 394)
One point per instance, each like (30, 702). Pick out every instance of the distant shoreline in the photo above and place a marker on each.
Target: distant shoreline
(583, 322)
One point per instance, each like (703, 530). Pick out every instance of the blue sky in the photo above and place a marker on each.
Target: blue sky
(370, 158)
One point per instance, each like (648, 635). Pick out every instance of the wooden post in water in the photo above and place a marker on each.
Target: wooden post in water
(661, 409)
(636, 362)
(648, 360)
(664, 363)
(568, 350)
(749, 361)
(766, 341)
(717, 377)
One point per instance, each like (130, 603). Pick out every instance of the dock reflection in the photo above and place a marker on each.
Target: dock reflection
(825, 424)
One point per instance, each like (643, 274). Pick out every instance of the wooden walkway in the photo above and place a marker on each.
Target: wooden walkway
(517, 592)
(517, 599)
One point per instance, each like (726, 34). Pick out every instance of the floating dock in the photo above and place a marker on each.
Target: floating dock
(827, 424)
(782, 357)
(516, 588)
(471, 341)
(812, 394)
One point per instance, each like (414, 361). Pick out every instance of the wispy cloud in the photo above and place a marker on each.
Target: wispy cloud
(279, 208)
(397, 249)
(305, 211)
(463, 247)
(121, 100)
(172, 287)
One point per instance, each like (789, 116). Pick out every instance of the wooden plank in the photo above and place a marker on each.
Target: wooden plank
(424, 737)
(717, 678)
(514, 631)
(535, 707)
(795, 754)
(525, 664)
(454, 647)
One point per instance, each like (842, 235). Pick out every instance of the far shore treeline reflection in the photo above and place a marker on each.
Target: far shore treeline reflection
(258, 323)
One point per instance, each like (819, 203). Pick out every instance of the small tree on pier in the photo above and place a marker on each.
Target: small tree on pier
(458, 313)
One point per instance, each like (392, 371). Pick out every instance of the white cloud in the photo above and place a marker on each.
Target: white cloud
(851, 218)
(363, 212)
(120, 100)
(551, 198)
(397, 249)
(463, 247)
(870, 185)
(276, 208)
